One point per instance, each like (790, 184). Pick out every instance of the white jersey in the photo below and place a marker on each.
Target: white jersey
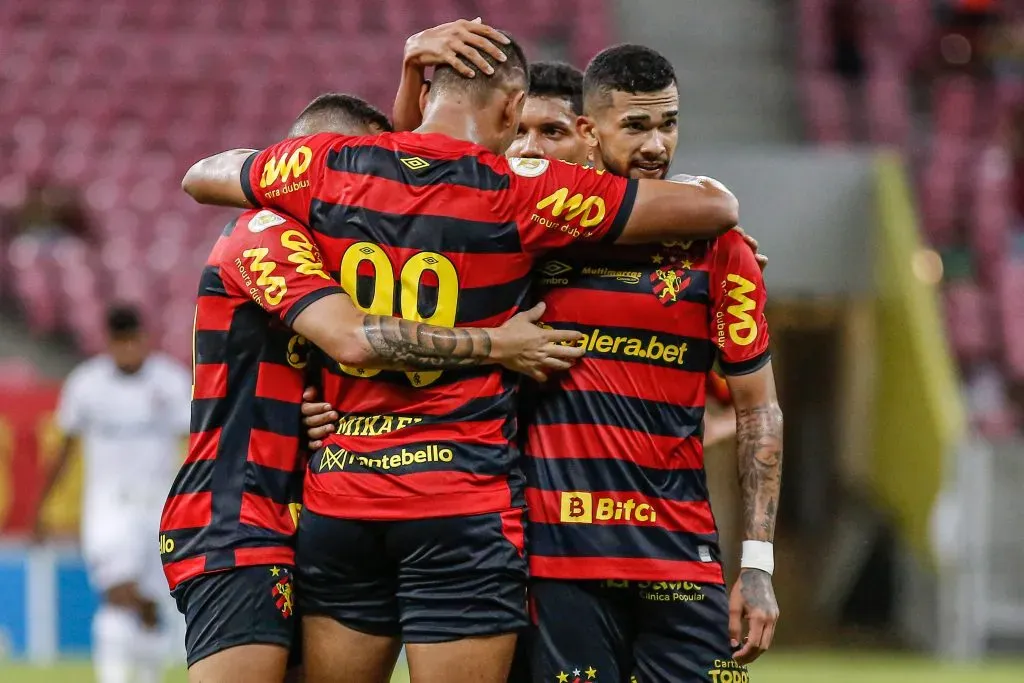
(131, 428)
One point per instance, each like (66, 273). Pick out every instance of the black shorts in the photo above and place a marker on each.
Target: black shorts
(242, 606)
(424, 581)
(642, 631)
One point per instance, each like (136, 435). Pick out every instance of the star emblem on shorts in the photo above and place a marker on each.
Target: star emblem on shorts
(275, 571)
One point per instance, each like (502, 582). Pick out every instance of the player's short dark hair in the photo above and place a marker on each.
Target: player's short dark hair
(558, 80)
(123, 320)
(626, 68)
(336, 112)
(513, 72)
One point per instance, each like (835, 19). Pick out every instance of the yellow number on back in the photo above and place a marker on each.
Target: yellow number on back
(410, 278)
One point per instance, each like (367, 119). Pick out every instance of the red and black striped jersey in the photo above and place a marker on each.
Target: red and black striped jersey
(235, 501)
(440, 231)
(614, 459)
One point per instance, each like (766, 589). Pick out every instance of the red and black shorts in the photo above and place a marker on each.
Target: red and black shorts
(638, 631)
(424, 580)
(241, 606)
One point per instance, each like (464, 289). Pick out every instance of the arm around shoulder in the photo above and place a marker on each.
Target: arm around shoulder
(217, 180)
(684, 208)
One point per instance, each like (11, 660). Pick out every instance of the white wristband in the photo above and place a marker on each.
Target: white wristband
(758, 555)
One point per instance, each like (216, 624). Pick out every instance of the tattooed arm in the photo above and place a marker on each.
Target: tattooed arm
(759, 461)
(759, 450)
(357, 339)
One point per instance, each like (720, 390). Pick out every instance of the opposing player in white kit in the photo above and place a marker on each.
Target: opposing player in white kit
(129, 409)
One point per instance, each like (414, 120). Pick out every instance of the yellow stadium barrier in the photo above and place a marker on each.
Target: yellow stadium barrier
(919, 414)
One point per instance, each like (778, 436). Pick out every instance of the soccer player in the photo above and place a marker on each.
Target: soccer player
(128, 410)
(630, 125)
(548, 127)
(413, 531)
(625, 563)
(226, 532)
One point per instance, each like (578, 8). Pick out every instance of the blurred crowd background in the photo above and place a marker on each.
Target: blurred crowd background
(876, 146)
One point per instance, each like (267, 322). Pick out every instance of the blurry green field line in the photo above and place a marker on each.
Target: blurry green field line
(775, 668)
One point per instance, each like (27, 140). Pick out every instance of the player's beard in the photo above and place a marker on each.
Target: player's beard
(629, 169)
(654, 169)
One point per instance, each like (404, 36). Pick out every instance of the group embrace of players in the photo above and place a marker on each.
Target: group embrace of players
(448, 504)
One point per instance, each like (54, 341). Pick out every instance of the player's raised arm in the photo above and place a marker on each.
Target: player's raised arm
(458, 44)
(557, 203)
(741, 334)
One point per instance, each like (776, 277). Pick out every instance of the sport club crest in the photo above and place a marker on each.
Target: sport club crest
(670, 281)
(282, 591)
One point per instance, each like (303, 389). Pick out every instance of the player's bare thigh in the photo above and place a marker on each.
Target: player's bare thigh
(254, 663)
(334, 653)
(484, 659)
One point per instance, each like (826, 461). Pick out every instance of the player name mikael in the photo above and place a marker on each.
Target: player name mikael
(374, 425)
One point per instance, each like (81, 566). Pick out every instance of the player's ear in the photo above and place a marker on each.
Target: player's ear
(513, 109)
(424, 91)
(585, 127)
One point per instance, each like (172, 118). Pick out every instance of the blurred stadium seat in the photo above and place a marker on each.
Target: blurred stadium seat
(957, 134)
(86, 107)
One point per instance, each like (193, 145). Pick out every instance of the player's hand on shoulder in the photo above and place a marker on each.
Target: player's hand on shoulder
(454, 44)
(321, 419)
(522, 344)
(762, 260)
(752, 600)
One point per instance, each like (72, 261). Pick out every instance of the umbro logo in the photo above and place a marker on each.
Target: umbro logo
(414, 163)
(555, 268)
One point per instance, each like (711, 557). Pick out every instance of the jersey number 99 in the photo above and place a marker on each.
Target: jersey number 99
(409, 280)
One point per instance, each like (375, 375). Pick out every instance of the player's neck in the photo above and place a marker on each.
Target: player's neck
(452, 120)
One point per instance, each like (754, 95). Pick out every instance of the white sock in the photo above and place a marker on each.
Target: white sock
(113, 630)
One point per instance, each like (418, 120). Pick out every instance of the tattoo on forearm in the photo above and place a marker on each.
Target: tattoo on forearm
(759, 458)
(757, 591)
(425, 347)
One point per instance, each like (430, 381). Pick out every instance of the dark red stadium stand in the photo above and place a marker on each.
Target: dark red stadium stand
(119, 97)
(957, 148)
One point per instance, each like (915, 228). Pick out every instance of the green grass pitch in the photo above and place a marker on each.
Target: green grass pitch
(785, 667)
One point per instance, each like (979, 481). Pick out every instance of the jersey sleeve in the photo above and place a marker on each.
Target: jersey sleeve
(556, 203)
(274, 261)
(288, 175)
(72, 405)
(739, 327)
